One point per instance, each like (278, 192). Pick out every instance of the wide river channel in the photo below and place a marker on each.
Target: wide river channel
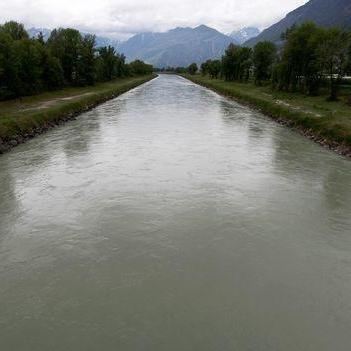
(172, 218)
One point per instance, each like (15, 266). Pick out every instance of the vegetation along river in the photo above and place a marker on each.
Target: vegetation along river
(172, 218)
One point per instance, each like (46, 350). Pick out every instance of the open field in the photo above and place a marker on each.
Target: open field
(328, 123)
(23, 118)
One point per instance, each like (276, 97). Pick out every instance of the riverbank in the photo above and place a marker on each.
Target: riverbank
(328, 123)
(23, 119)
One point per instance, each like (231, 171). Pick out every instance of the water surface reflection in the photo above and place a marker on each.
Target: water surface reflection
(172, 218)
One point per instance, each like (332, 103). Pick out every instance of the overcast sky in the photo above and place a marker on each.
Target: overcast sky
(123, 18)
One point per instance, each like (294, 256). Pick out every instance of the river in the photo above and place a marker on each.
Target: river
(172, 218)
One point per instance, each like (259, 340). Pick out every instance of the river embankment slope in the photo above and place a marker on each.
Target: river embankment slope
(23, 119)
(327, 123)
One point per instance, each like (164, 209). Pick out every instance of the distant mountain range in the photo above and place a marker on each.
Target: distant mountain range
(34, 32)
(243, 35)
(100, 41)
(326, 13)
(177, 47)
(182, 46)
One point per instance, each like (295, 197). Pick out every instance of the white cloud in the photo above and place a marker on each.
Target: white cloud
(121, 19)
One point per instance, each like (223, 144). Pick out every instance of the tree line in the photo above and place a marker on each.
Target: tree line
(68, 58)
(311, 57)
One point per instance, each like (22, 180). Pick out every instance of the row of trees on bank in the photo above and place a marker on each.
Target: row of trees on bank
(311, 57)
(68, 58)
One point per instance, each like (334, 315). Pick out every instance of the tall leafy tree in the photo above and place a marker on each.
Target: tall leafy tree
(29, 52)
(244, 64)
(299, 66)
(204, 68)
(264, 56)
(86, 61)
(15, 30)
(236, 63)
(140, 68)
(107, 63)
(65, 45)
(333, 53)
(192, 69)
(9, 67)
(212, 68)
(229, 62)
(31, 65)
(52, 73)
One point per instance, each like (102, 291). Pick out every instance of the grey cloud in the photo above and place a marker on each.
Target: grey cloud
(121, 19)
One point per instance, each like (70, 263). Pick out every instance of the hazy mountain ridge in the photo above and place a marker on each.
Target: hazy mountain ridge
(34, 32)
(325, 13)
(244, 34)
(177, 47)
(100, 41)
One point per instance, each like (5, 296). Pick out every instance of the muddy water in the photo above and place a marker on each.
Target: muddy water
(172, 218)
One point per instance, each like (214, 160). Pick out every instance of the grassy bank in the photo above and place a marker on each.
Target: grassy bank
(22, 119)
(328, 123)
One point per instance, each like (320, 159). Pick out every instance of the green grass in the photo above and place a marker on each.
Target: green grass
(21, 118)
(328, 122)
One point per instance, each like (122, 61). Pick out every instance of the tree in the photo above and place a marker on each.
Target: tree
(106, 63)
(204, 68)
(348, 69)
(65, 45)
(52, 74)
(121, 66)
(180, 70)
(299, 65)
(244, 64)
(229, 62)
(31, 65)
(15, 30)
(214, 68)
(86, 61)
(140, 68)
(192, 69)
(264, 56)
(9, 67)
(40, 38)
(236, 63)
(29, 53)
(333, 54)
